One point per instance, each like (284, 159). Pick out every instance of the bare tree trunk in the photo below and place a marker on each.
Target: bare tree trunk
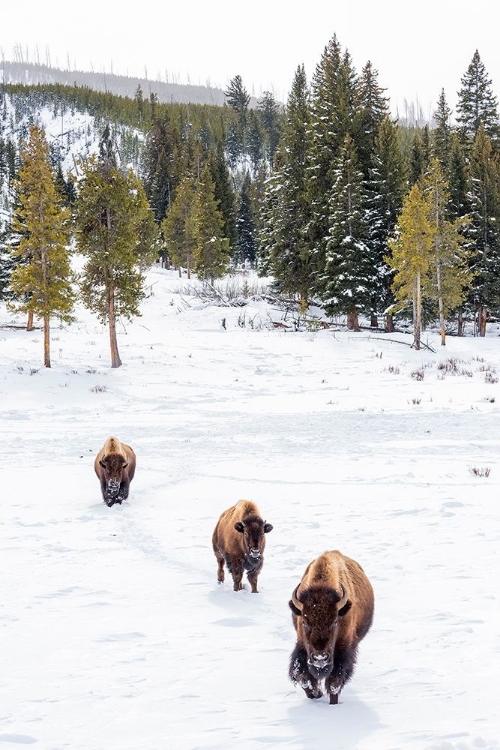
(115, 357)
(304, 303)
(482, 320)
(389, 323)
(188, 268)
(29, 324)
(373, 320)
(417, 308)
(180, 272)
(352, 321)
(46, 341)
(460, 323)
(440, 303)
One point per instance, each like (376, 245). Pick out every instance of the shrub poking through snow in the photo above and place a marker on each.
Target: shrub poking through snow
(417, 374)
(480, 472)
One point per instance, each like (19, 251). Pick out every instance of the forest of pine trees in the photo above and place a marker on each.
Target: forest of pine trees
(374, 221)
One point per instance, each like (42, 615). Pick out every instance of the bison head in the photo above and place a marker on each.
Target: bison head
(253, 529)
(113, 465)
(319, 610)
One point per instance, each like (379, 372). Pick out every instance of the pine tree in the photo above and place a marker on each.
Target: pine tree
(41, 279)
(385, 191)
(477, 105)
(484, 229)
(420, 154)
(247, 244)
(115, 231)
(270, 116)
(284, 245)
(410, 258)
(348, 278)
(238, 100)
(255, 140)
(442, 133)
(178, 229)
(373, 108)
(211, 247)
(449, 274)
(334, 100)
(458, 179)
(159, 181)
(224, 193)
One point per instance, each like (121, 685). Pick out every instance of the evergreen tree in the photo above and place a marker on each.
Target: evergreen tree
(449, 274)
(255, 140)
(411, 247)
(159, 181)
(385, 191)
(484, 229)
(178, 228)
(348, 279)
(373, 108)
(116, 234)
(41, 279)
(247, 244)
(333, 107)
(270, 116)
(211, 247)
(238, 98)
(442, 133)
(458, 179)
(224, 193)
(284, 245)
(420, 154)
(477, 105)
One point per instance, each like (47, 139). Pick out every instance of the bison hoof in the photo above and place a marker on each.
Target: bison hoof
(313, 693)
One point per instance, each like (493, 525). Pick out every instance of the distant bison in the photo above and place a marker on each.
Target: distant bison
(332, 611)
(115, 468)
(239, 541)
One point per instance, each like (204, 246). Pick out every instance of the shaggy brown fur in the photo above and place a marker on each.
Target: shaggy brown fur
(115, 469)
(239, 541)
(332, 612)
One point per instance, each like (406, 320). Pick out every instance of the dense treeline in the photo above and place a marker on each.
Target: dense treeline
(336, 200)
(353, 193)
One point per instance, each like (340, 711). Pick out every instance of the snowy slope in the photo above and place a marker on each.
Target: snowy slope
(114, 631)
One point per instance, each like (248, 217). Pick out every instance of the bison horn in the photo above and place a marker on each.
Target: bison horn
(295, 600)
(344, 597)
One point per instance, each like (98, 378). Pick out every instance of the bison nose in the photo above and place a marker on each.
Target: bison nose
(255, 552)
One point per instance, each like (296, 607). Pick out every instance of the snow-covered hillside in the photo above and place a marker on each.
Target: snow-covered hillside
(115, 634)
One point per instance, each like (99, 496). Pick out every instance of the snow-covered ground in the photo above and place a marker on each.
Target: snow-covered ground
(114, 632)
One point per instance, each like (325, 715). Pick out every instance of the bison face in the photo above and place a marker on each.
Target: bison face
(113, 466)
(319, 610)
(254, 541)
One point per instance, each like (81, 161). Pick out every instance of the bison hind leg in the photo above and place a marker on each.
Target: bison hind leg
(220, 569)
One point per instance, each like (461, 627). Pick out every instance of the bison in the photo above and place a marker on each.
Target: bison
(115, 468)
(332, 611)
(238, 540)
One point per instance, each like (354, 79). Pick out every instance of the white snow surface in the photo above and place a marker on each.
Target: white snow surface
(114, 632)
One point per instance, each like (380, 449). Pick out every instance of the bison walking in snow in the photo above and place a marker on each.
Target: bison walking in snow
(332, 610)
(239, 541)
(115, 468)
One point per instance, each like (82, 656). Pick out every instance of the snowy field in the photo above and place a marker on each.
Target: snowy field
(114, 632)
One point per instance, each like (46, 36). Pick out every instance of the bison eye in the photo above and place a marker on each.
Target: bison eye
(125, 465)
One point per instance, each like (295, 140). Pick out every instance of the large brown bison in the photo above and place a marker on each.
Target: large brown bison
(332, 611)
(115, 468)
(239, 541)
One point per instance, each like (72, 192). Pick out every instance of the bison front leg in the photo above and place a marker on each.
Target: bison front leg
(300, 675)
(252, 580)
(343, 666)
(123, 491)
(237, 573)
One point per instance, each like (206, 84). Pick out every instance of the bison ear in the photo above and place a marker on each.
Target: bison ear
(102, 464)
(267, 528)
(345, 609)
(239, 526)
(295, 610)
